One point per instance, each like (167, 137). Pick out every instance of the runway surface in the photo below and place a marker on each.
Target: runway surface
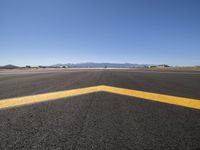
(100, 120)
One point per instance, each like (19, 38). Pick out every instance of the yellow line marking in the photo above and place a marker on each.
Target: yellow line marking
(12, 102)
(175, 100)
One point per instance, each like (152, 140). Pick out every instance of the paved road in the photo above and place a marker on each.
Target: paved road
(100, 120)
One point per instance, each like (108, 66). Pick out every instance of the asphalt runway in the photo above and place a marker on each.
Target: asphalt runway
(100, 120)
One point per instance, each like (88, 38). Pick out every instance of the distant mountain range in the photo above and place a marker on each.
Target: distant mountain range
(84, 65)
(100, 65)
(8, 67)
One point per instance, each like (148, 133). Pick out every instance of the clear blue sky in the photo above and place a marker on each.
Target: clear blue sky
(46, 32)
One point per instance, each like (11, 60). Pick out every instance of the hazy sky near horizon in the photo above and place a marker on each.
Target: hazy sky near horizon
(45, 32)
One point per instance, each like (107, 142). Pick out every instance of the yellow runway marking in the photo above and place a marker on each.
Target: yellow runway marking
(175, 100)
(12, 102)
(179, 101)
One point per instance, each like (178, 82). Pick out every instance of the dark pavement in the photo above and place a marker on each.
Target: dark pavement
(100, 120)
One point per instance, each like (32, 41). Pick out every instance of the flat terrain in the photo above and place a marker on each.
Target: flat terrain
(99, 120)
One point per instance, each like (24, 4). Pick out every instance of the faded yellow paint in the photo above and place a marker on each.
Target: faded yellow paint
(179, 101)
